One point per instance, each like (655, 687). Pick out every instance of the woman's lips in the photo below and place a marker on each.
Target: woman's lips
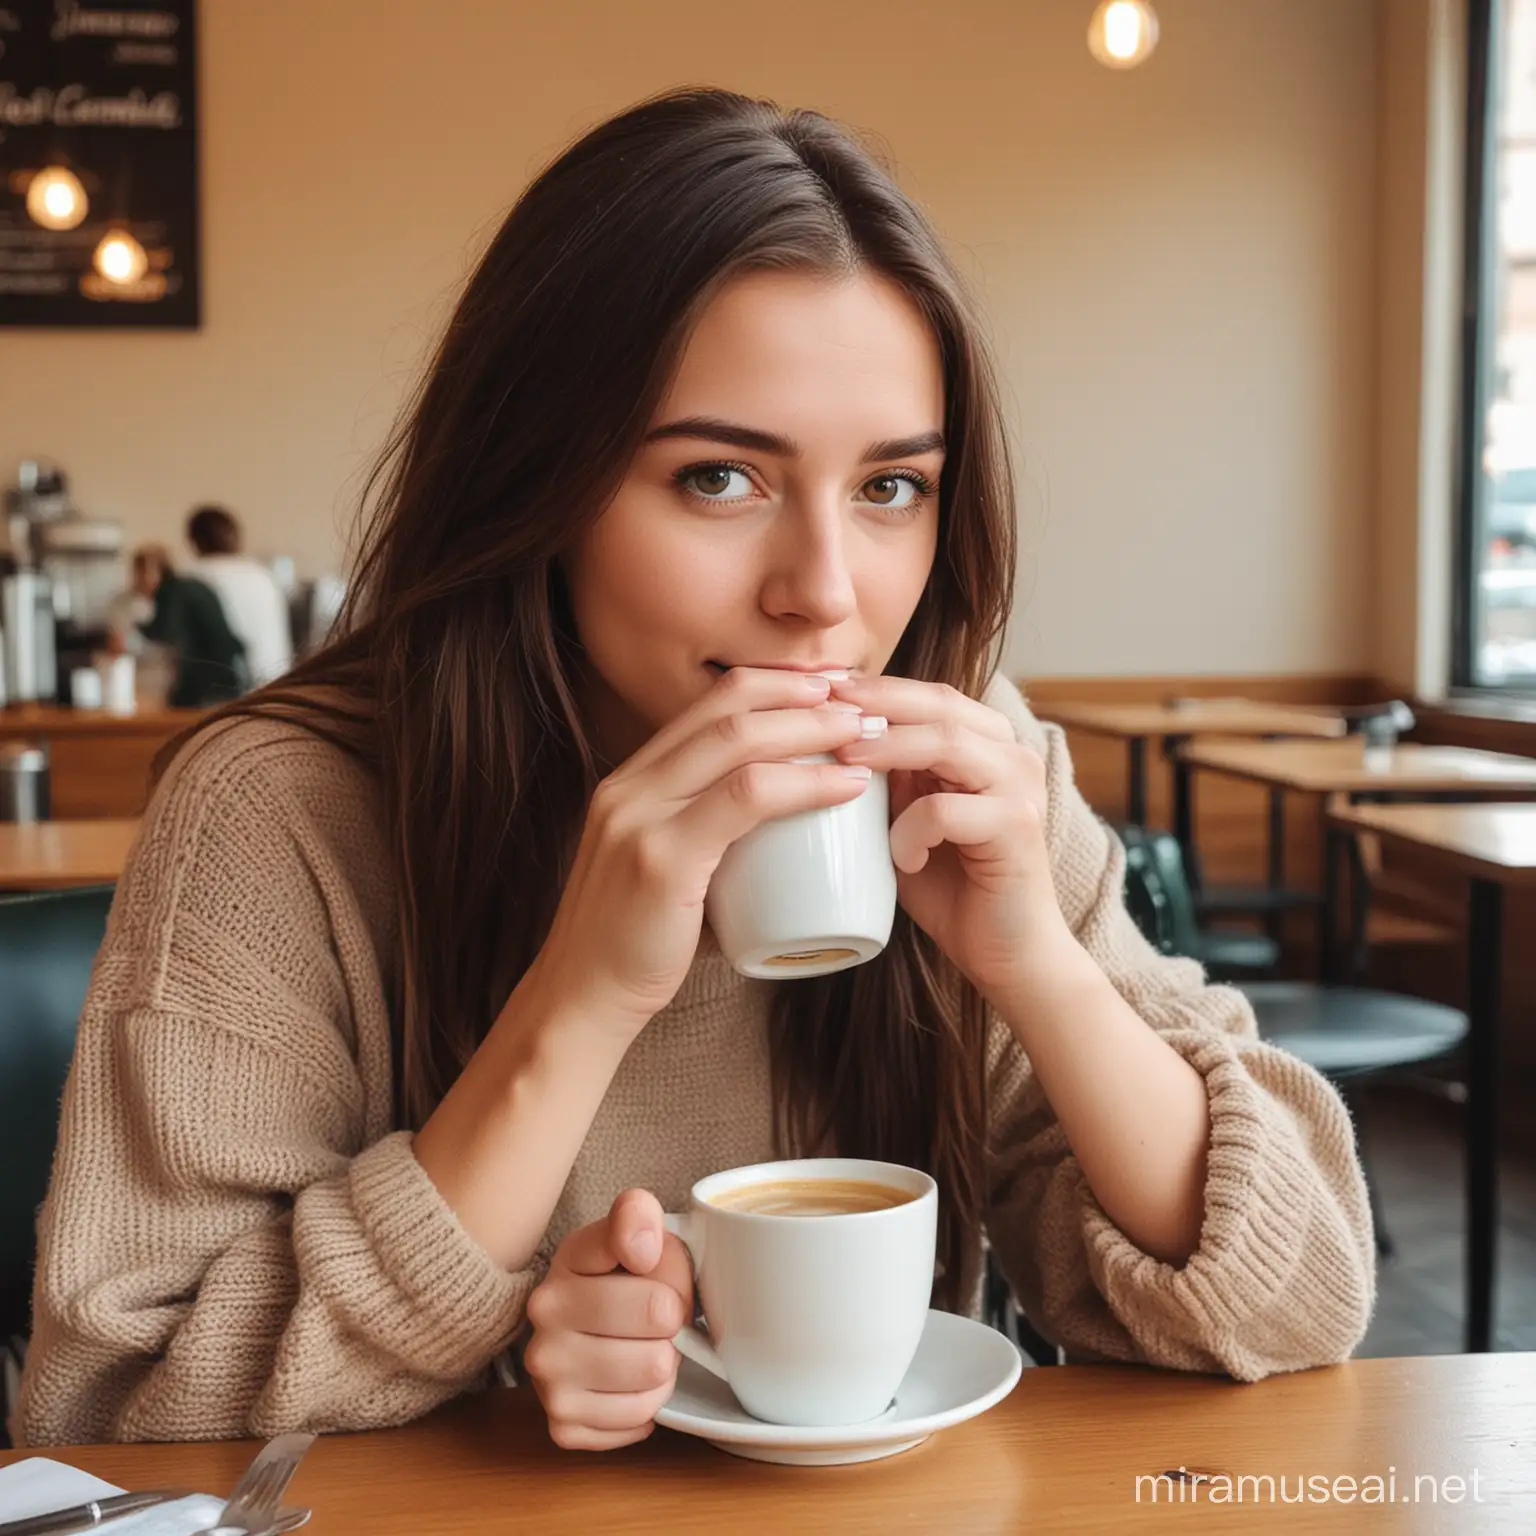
(831, 669)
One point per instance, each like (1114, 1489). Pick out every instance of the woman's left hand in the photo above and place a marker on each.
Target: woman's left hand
(968, 816)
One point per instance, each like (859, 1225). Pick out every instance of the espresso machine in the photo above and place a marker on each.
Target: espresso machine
(59, 573)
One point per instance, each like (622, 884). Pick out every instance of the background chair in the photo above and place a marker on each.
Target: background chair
(47, 947)
(1349, 1034)
(1163, 898)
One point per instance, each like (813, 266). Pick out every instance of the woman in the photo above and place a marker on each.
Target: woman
(408, 1027)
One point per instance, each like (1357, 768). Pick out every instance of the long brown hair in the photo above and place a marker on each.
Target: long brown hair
(454, 671)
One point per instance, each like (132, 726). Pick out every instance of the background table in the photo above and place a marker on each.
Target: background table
(52, 722)
(1495, 845)
(98, 763)
(50, 855)
(1176, 723)
(1329, 768)
(1061, 1454)
(1135, 724)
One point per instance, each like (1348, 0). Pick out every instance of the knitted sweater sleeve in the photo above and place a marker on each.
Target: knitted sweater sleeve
(235, 1240)
(1284, 1274)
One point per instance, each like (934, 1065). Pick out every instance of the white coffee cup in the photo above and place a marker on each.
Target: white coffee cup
(808, 894)
(812, 1319)
(85, 688)
(118, 683)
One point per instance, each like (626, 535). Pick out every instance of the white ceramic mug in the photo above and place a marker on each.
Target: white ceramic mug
(812, 1319)
(808, 894)
(118, 683)
(85, 688)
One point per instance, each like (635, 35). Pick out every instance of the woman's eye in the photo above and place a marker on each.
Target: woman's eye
(713, 482)
(892, 491)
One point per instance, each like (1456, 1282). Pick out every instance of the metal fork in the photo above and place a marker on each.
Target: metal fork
(253, 1506)
(285, 1520)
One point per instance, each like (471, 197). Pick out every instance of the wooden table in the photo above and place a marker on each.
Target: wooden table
(1179, 721)
(50, 722)
(1495, 846)
(1340, 768)
(98, 763)
(1061, 1454)
(52, 855)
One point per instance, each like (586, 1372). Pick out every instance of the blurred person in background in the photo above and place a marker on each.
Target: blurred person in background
(253, 602)
(185, 615)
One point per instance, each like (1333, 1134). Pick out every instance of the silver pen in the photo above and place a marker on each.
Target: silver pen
(81, 1517)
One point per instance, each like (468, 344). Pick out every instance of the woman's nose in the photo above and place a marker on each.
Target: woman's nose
(809, 576)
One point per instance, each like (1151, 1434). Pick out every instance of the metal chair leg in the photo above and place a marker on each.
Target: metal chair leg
(1359, 914)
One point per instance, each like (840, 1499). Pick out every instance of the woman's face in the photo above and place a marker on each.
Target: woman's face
(783, 510)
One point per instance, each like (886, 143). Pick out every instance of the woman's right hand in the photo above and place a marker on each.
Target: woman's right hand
(629, 919)
(601, 1356)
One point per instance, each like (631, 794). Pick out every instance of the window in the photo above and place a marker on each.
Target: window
(1496, 615)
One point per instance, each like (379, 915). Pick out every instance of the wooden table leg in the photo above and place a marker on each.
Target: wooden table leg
(1484, 956)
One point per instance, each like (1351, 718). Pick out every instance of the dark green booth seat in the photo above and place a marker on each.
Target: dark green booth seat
(48, 944)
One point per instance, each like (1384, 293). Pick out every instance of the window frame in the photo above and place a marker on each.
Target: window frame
(1478, 281)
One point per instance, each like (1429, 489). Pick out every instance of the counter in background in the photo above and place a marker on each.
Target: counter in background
(99, 763)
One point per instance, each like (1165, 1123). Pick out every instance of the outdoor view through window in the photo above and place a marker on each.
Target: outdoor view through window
(1504, 552)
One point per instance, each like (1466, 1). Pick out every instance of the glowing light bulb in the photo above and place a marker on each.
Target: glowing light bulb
(55, 198)
(1123, 33)
(120, 258)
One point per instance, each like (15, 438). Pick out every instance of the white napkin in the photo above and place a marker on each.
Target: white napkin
(37, 1485)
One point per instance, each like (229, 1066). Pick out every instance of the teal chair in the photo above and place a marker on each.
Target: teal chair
(1162, 902)
(48, 944)
(1345, 1032)
(1144, 893)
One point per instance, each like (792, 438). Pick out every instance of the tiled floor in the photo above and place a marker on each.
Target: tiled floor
(1414, 1145)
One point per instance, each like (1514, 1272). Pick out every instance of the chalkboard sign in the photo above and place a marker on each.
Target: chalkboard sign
(98, 163)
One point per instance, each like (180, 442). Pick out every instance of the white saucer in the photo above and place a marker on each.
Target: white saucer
(961, 1369)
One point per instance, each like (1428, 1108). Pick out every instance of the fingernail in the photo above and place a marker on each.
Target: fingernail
(836, 675)
(645, 1247)
(871, 726)
(842, 707)
(816, 683)
(855, 771)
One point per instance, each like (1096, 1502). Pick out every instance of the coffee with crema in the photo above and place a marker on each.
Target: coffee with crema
(811, 1197)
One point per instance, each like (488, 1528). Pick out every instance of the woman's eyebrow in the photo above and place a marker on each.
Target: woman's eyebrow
(711, 429)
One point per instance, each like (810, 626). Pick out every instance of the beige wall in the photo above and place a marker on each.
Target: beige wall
(1177, 263)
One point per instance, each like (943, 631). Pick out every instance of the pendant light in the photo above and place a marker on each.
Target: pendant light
(1123, 33)
(120, 258)
(55, 198)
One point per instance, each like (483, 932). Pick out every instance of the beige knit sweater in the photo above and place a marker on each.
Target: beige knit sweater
(239, 1241)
